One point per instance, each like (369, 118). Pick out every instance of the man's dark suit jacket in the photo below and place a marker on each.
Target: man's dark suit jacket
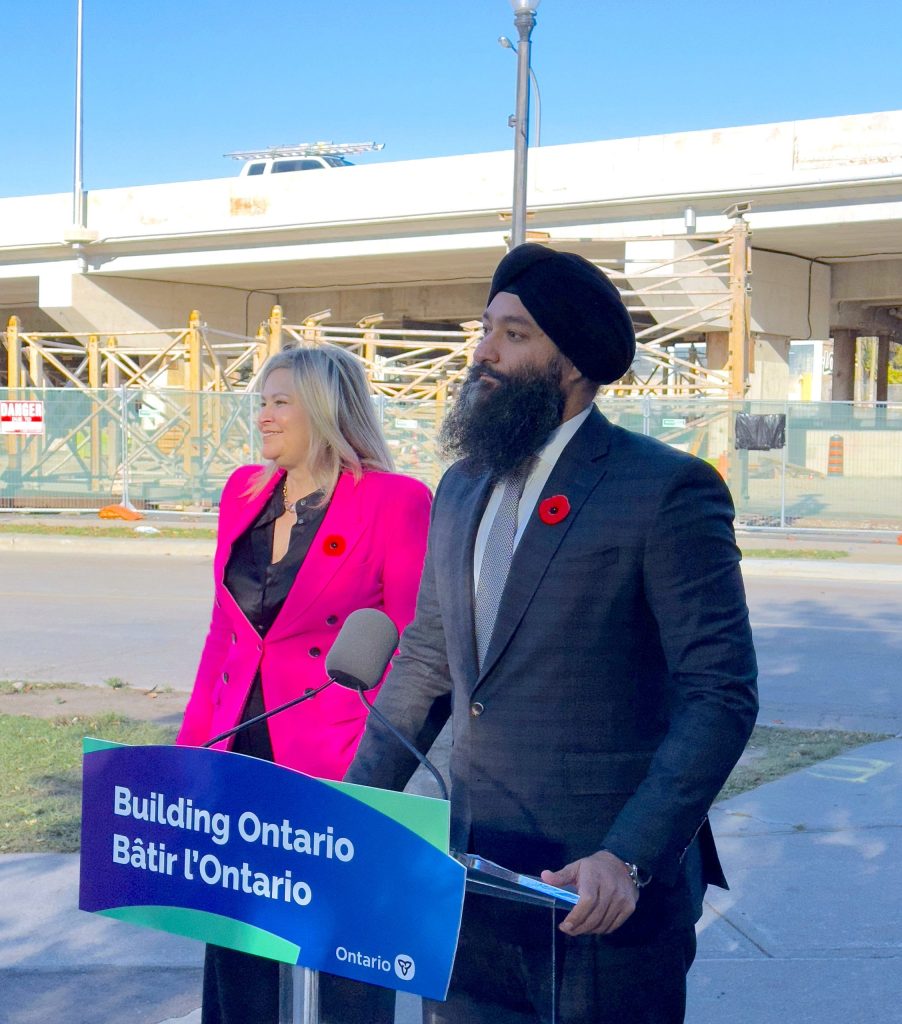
(618, 690)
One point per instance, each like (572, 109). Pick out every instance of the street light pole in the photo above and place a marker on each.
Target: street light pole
(78, 235)
(524, 20)
(78, 211)
(508, 45)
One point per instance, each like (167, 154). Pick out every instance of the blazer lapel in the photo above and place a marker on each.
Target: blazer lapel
(576, 474)
(240, 518)
(338, 535)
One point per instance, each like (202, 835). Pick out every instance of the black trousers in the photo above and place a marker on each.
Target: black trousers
(503, 972)
(243, 989)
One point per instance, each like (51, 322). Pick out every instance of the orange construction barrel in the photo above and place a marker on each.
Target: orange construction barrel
(835, 455)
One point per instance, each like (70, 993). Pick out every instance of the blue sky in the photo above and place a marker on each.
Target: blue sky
(171, 86)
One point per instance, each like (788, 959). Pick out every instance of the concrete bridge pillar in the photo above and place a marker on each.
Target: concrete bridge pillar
(769, 372)
(844, 364)
(882, 368)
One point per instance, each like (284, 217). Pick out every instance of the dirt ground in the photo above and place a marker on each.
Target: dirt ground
(75, 700)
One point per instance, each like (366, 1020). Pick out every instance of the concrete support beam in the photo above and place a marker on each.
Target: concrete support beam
(453, 303)
(876, 282)
(844, 364)
(93, 304)
(866, 320)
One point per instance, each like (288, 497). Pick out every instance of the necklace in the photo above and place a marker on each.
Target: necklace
(292, 506)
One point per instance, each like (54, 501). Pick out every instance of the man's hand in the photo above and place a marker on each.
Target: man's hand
(607, 895)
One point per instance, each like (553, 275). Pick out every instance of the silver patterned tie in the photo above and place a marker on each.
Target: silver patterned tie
(496, 559)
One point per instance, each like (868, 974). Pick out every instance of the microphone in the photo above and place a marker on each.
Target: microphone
(362, 649)
(357, 661)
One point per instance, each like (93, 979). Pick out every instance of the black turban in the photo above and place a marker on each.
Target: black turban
(575, 305)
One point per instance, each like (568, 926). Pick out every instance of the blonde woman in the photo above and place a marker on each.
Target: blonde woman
(324, 528)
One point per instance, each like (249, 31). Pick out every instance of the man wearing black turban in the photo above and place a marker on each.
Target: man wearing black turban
(582, 619)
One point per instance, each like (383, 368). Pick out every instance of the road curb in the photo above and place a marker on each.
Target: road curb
(118, 546)
(175, 547)
(869, 572)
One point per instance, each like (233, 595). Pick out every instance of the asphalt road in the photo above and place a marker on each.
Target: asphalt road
(829, 650)
(71, 617)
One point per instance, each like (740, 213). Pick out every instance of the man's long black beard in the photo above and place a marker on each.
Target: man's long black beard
(497, 428)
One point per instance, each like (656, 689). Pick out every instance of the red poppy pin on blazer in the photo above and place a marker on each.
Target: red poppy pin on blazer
(554, 510)
(334, 545)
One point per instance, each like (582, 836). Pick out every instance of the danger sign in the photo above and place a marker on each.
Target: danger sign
(21, 417)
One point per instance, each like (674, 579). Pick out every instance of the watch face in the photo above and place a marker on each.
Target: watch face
(639, 878)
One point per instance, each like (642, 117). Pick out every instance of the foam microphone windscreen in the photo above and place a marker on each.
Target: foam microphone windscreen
(362, 649)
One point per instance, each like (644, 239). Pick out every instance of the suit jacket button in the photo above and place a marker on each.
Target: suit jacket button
(225, 677)
(331, 620)
(314, 652)
(476, 709)
(234, 638)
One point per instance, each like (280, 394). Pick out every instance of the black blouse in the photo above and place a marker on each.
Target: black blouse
(260, 587)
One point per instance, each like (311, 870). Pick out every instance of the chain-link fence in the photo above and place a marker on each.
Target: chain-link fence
(820, 465)
(799, 465)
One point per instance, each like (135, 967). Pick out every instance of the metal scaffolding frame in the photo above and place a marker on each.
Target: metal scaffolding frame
(674, 302)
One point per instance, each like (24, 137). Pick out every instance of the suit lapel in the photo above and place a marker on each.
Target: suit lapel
(458, 563)
(576, 474)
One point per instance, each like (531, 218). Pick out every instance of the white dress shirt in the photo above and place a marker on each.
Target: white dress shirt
(545, 460)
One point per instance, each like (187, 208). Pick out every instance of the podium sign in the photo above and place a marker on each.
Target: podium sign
(247, 854)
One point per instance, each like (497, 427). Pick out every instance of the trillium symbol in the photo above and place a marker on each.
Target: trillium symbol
(405, 967)
(554, 510)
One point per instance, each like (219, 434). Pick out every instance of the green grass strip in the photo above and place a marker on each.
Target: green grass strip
(40, 776)
(815, 554)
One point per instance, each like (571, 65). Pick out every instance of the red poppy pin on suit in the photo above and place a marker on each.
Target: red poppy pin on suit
(334, 545)
(554, 510)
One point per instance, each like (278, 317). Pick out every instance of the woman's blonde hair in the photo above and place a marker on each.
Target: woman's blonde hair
(345, 435)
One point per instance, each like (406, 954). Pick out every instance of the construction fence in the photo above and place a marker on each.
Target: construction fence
(796, 465)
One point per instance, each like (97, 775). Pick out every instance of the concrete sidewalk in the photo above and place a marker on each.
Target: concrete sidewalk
(810, 932)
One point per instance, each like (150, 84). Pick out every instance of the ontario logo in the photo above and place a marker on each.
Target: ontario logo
(404, 966)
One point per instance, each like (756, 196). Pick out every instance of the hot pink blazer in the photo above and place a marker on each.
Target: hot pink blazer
(367, 553)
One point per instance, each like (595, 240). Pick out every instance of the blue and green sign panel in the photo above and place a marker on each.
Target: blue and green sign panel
(247, 854)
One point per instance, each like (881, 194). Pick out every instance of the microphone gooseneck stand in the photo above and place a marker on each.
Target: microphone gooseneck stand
(241, 726)
(424, 761)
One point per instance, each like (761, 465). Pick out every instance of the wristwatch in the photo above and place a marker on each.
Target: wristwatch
(638, 877)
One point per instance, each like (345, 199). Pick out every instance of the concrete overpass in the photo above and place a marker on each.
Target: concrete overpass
(416, 241)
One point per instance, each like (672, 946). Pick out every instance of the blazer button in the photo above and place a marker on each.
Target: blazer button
(314, 652)
(234, 638)
(331, 620)
(476, 709)
(225, 677)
